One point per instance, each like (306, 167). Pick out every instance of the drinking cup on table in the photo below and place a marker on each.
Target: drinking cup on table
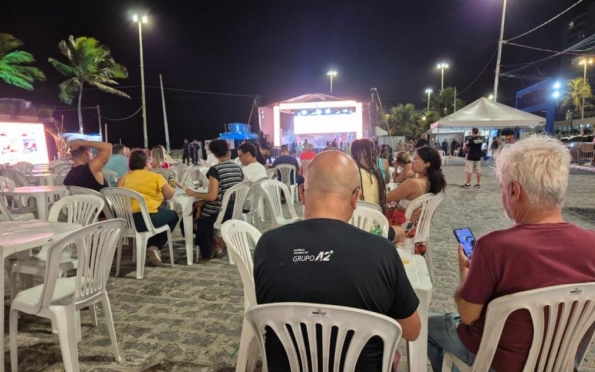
(405, 255)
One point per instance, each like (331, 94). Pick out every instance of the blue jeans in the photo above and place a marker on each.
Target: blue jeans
(443, 337)
(162, 217)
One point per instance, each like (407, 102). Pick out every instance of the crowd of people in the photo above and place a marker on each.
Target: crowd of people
(329, 189)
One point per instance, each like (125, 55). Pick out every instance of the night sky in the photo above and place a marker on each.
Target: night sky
(278, 50)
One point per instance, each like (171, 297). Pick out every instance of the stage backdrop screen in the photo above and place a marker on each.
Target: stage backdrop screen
(312, 124)
(23, 142)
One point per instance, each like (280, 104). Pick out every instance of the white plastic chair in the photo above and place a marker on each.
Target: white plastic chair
(59, 167)
(61, 174)
(365, 204)
(110, 177)
(391, 171)
(19, 179)
(271, 174)
(80, 209)
(77, 190)
(312, 320)
(241, 238)
(272, 191)
(569, 311)
(257, 202)
(60, 299)
(366, 218)
(196, 174)
(287, 172)
(428, 204)
(165, 172)
(6, 212)
(180, 169)
(239, 193)
(443, 157)
(120, 200)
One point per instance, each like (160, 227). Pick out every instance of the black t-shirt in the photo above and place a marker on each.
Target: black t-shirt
(82, 176)
(474, 145)
(421, 143)
(331, 262)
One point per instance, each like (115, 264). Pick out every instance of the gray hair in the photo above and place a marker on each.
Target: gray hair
(540, 164)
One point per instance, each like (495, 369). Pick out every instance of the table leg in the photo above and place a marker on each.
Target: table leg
(418, 350)
(42, 206)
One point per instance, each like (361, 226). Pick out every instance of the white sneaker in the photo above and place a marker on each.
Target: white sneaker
(155, 256)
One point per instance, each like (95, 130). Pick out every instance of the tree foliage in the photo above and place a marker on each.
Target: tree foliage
(444, 102)
(15, 64)
(575, 89)
(89, 62)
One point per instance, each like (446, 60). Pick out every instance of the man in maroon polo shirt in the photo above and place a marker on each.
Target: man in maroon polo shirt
(540, 250)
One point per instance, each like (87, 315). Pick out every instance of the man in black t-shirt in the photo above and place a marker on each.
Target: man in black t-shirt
(473, 147)
(422, 141)
(86, 168)
(325, 260)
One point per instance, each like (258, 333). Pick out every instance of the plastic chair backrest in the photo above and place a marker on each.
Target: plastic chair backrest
(428, 204)
(299, 323)
(111, 177)
(6, 183)
(367, 218)
(569, 311)
(180, 169)
(25, 164)
(287, 172)
(166, 173)
(120, 200)
(241, 238)
(271, 173)
(4, 213)
(239, 193)
(19, 179)
(95, 245)
(272, 189)
(80, 209)
(77, 190)
(195, 173)
(58, 168)
(255, 193)
(365, 204)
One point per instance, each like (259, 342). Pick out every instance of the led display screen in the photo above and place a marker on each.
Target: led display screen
(343, 123)
(23, 142)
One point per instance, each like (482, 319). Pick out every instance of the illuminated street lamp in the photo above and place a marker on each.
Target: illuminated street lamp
(429, 93)
(332, 74)
(584, 62)
(442, 66)
(491, 97)
(140, 20)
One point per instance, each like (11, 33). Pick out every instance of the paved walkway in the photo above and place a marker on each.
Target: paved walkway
(188, 318)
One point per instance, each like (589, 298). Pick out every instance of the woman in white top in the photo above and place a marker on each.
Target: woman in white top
(373, 187)
(426, 164)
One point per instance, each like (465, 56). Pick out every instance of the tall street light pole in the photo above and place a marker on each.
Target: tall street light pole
(140, 20)
(500, 43)
(332, 74)
(442, 66)
(429, 92)
(584, 62)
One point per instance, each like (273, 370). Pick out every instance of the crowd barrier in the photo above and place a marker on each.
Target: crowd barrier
(583, 152)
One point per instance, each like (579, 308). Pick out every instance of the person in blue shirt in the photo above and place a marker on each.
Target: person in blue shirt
(118, 162)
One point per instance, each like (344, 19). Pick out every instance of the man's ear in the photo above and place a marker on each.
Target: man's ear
(356, 198)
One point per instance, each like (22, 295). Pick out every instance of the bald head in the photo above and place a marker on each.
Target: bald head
(331, 172)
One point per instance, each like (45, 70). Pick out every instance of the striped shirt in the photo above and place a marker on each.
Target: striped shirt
(228, 174)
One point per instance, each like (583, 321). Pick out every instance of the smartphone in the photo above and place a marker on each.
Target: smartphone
(466, 239)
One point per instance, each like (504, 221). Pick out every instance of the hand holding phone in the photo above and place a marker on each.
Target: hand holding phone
(466, 239)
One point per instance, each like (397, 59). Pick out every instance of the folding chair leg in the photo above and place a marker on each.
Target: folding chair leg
(93, 312)
(13, 327)
(119, 258)
(109, 322)
(66, 323)
(140, 257)
(171, 247)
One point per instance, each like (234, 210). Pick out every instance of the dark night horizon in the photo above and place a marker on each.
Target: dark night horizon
(277, 51)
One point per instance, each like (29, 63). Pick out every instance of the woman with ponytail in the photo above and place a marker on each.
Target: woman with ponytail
(426, 165)
(373, 187)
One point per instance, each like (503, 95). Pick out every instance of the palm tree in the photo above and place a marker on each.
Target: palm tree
(575, 89)
(443, 102)
(88, 62)
(14, 63)
(405, 120)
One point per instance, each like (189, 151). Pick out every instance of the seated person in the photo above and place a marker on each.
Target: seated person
(158, 155)
(118, 162)
(154, 188)
(426, 164)
(540, 250)
(404, 162)
(252, 169)
(222, 176)
(372, 279)
(285, 158)
(86, 168)
(373, 188)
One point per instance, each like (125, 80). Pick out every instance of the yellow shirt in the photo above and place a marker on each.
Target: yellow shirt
(369, 187)
(148, 184)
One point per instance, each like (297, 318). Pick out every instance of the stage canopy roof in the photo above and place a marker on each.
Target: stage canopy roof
(314, 97)
(488, 114)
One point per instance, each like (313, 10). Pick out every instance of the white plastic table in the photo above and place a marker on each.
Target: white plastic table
(418, 275)
(46, 179)
(185, 202)
(19, 236)
(40, 193)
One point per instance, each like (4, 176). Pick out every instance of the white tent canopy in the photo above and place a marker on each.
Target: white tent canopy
(380, 132)
(489, 114)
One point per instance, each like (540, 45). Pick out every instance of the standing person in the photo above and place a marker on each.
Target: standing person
(453, 146)
(196, 151)
(423, 141)
(308, 154)
(305, 145)
(154, 189)
(540, 250)
(473, 163)
(222, 176)
(86, 168)
(186, 152)
(259, 156)
(445, 147)
(118, 162)
(348, 149)
(372, 279)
